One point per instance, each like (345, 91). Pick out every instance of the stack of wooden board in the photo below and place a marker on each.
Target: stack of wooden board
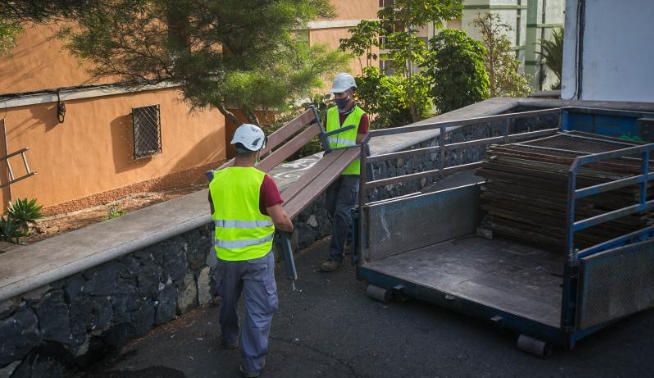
(525, 194)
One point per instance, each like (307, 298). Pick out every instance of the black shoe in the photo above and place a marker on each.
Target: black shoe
(228, 345)
(249, 374)
(330, 265)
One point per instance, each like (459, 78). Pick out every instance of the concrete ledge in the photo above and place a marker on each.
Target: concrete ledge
(39, 264)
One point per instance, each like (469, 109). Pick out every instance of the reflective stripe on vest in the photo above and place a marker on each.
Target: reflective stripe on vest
(335, 142)
(241, 243)
(242, 232)
(347, 138)
(242, 224)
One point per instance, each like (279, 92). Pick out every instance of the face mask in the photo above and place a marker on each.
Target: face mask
(341, 103)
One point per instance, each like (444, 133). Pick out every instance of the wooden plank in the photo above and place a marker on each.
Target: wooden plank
(309, 175)
(289, 148)
(282, 134)
(309, 190)
(290, 129)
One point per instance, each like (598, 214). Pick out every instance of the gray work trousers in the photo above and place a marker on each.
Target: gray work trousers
(341, 197)
(256, 280)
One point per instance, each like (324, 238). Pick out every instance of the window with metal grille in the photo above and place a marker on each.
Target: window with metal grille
(147, 131)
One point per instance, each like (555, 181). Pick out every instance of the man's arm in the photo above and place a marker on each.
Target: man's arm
(280, 218)
(362, 132)
(211, 204)
(271, 202)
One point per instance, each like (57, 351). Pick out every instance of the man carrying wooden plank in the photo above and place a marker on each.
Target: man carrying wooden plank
(342, 194)
(246, 208)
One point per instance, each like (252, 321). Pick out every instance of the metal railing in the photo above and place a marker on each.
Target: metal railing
(442, 147)
(575, 194)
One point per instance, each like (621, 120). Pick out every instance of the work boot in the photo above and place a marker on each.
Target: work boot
(249, 374)
(330, 265)
(227, 345)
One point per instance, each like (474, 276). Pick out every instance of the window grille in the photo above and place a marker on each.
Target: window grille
(146, 124)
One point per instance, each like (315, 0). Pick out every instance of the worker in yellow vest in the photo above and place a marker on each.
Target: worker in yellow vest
(342, 194)
(246, 208)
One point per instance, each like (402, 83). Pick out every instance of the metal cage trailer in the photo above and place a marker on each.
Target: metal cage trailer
(428, 244)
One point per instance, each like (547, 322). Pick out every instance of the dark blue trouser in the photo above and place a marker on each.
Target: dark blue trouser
(341, 197)
(256, 280)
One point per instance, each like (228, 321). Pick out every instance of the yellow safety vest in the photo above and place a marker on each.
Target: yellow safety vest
(346, 138)
(242, 232)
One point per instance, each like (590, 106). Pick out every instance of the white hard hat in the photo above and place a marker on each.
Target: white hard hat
(342, 82)
(250, 136)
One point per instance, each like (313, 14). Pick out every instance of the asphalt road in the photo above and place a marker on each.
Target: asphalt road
(332, 329)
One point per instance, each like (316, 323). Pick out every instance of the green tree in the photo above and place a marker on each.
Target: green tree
(398, 29)
(502, 66)
(456, 69)
(384, 96)
(363, 38)
(222, 52)
(552, 55)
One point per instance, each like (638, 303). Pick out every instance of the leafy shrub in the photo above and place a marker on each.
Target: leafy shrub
(18, 217)
(384, 98)
(456, 69)
(552, 55)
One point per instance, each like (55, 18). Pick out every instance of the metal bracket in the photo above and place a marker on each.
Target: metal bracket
(325, 134)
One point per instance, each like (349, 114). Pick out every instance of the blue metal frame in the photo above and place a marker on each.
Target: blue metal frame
(571, 295)
(568, 333)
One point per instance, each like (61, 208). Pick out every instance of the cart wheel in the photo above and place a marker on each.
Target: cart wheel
(378, 293)
(534, 346)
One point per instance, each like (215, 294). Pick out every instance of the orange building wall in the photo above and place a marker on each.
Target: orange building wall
(331, 38)
(41, 61)
(355, 9)
(346, 10)
(92, 151)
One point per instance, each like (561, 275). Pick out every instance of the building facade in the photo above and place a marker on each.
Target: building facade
(84, 142)
(531, 21)
(608, 51)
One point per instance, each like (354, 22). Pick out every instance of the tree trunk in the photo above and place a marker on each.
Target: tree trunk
(229, 115)
(252, 117)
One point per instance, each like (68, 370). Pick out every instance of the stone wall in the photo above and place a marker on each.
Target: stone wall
(72, 322)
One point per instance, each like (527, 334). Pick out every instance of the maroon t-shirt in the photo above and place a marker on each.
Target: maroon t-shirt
(269, 195)
(363, 124)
